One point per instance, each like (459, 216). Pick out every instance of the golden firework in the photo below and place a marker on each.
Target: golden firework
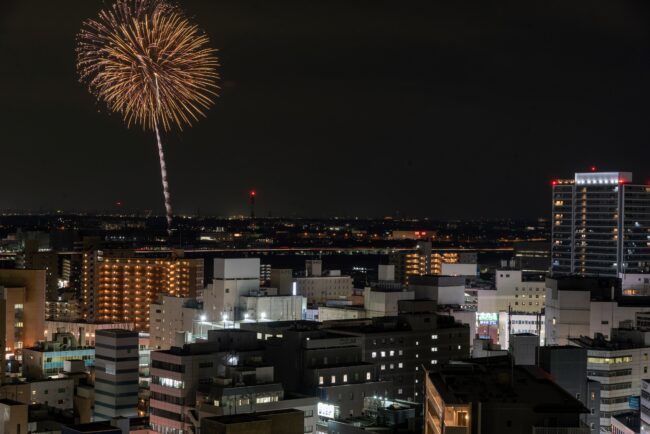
(148, 62)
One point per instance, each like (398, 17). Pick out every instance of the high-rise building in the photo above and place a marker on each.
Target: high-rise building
(116, 374)
(23, 308)
(118, 286)
(600, 225)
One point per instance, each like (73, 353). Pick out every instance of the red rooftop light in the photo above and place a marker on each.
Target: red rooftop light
(253, 193)
(594, 168)
(554, 182)
(621, 181)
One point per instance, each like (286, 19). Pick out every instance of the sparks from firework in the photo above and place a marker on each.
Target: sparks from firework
(147, 62)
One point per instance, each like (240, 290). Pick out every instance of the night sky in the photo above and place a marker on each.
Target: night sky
(440, 109)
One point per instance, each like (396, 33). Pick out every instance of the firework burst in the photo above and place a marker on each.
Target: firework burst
(149, 63)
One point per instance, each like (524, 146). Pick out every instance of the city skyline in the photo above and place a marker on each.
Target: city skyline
(357, 104)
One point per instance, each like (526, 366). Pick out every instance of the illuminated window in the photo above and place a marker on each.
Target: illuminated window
(368, 376)
(345, 378)
(333, 379)
(374, 354)
(320, 380)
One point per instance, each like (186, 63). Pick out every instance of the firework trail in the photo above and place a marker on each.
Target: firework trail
(147, 62)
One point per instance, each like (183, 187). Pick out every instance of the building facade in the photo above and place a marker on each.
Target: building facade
(600, 225)
(116, 374)
(117, 286)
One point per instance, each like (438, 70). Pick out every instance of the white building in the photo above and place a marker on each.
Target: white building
(382, 300)
(320, 289)
(619, 365)
(520, 292)
(169, 316)
(585, 306)
(444, 290)
(266, 304)
(520, 323)
(458, 269)
(57, 393)
(645, 406)
(233, 277)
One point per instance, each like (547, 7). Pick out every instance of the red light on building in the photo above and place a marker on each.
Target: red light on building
(594, 168)
(621, 181)
(253, 193)
(554, 183)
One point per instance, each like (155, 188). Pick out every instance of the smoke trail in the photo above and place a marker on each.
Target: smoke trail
(163, 174)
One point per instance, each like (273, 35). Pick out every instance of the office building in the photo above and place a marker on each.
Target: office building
(619, 364)
(119, 286)
(402, 345)
(325, 364)
(177, 374)
(519, 292)
(116, 374)
(600, 224)
(491, 396)
(249, 386)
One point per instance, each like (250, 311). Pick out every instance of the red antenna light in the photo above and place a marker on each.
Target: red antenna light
(594, 168)
(554, 182)
(253, 193)
(621, 181)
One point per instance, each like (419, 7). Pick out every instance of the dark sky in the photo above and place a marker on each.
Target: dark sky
(444, 109)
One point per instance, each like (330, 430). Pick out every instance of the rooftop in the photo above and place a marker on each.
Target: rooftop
(630, 420)
(494, 379)
(93, 427)
(116, 333)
